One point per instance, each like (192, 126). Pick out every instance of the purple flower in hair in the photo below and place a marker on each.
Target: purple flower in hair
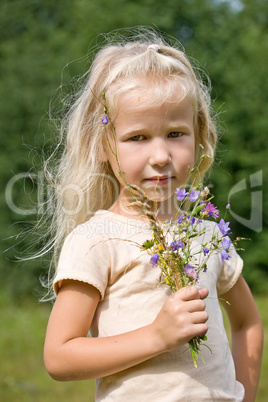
(105, 120)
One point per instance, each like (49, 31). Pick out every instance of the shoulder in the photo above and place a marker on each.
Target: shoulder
(85, 236)
(99, 226)
(84, 256)
(105, 228)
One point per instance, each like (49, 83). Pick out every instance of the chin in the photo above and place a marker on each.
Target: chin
(157, 196)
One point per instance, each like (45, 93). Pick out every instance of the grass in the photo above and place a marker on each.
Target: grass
(262, 303)
(23, 377)
(22, 374)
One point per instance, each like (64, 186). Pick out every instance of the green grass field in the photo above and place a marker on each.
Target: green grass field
(22, 374)
(262, 303)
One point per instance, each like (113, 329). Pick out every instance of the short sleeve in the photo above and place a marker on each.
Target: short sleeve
(230, 272)
(84, 257)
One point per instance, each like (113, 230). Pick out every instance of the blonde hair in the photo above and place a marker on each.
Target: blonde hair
(83, 181)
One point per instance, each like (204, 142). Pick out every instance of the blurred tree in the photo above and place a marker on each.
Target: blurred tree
(235, 57)
(43, 44)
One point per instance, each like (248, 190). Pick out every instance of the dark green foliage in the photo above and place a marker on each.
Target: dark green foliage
(43, 44)
(148, 244)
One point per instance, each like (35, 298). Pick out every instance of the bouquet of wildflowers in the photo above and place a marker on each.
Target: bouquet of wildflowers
(171, 246)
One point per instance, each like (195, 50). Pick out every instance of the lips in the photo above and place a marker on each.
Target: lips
(160, 180)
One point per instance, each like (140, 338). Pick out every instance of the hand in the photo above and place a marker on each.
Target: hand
(181, 318)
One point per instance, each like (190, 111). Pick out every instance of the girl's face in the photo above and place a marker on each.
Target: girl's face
(155, 142)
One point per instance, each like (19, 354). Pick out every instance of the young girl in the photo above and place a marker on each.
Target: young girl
(158, 114)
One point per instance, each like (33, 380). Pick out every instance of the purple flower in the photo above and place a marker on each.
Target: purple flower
(194, 195)
(105, 120)
(192, 220)
(224, 227)
(211, 210)
(180, 219)
(228, 206)
(177, 244)
(224, 255)
(154, 259)
(205, 250)
(190, 271)
(226, 242)
(181, 194)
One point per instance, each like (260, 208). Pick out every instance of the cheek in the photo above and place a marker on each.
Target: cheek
(188, 154)
(113, 164)
(126, 163)
(130, 157)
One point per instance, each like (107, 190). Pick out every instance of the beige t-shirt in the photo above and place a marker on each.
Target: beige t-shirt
(104, 252)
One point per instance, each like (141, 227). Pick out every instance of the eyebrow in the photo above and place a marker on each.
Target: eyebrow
(137, 131)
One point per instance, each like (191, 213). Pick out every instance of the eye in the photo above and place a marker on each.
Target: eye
(137, 138)
(174, 134)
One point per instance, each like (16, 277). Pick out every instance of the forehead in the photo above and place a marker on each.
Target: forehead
(153, 91)
(138, 109)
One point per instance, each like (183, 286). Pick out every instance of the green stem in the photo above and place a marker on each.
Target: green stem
(114, 151)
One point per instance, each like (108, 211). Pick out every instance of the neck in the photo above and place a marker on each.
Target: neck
(142, 208)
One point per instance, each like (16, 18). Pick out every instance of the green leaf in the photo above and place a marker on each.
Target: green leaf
(148, 244)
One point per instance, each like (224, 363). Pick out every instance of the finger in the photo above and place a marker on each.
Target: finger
(200, 329)
(199, 317)
(203, 293)
(196, 305)
(188, 293)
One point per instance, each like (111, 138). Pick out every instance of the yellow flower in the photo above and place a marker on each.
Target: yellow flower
(160, 248)
(168, 282)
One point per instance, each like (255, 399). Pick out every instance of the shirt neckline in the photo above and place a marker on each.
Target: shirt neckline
(122, 218)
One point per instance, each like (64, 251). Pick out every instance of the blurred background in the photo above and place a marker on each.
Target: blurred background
(43, 49)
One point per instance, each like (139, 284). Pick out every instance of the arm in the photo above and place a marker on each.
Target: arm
(70, 355)
(247, 336)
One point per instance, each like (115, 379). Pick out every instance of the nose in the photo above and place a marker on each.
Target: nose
(159, 153)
